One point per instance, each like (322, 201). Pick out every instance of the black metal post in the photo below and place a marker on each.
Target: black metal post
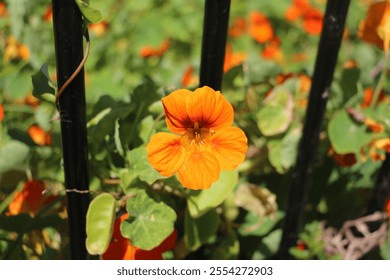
(215, 25)
(68, 35)
(332, 32)
(381, 190)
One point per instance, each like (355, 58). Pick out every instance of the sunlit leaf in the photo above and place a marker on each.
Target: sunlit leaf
(202, 201)
(139, 166)
(89, 12)
(150, 220)
(275, 116)
(345, 135)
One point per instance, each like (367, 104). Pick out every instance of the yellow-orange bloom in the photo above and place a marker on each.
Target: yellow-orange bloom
(206, 142)
(375, 28)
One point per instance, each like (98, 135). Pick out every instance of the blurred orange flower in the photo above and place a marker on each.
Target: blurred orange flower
(260, 27)
(375, 29)
(3, 10)
(189, 78)
(345, 160)
(232, 59)
(1, 112)
(312, 17)
(387, 208)
(30, 199)
(48, 14)
(373, 125)
(99, 29)
(272, 50)
(312, 21)
(120, 248)
(368, 95)
(15, 50)
(206, 142)
(238, 27)
(39, 136)
(297, 9)
(149, 51)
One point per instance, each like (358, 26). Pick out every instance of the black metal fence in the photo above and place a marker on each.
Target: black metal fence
(69, 30)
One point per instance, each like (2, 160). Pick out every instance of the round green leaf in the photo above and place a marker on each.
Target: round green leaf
(289, 148)
(276, 114)
(140, 167)
(274, 147)
(89, 13)
(346, 135)
(205, 200)
(13, 156)
(150, 221)
(100, 221)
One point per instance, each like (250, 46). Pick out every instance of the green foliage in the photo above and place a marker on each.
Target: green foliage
(346, 135)
(100, 222)
(89, 12)
(198, 231)
(150, 220)
(13, 156)
(202, 201)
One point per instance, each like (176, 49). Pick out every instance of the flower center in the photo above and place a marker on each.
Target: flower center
(196, 137)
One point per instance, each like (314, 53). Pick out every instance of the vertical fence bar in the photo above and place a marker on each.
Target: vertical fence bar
(331, 35)
(215, 25)
(381, 190)
(68, 37)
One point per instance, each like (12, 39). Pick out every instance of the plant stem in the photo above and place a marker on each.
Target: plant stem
(380, 84)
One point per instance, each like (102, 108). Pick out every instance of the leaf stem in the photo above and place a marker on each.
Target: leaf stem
(380, 84)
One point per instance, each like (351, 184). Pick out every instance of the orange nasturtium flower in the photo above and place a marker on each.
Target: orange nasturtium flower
(387, 208)
(260, 27)
(99, 29)
(48, 14)
(189, 78)
(148, 51)
(375, 28)
(232, 59)
(238, 28)
(1, 112)
(205, 142)
(120, 248)
(297, 9)
(39, 136)
(312, 21)
(30, 199)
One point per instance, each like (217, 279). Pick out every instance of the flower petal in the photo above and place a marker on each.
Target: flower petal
(175, 110)
(165, 153)
(229, 146)
(210, 109)
(199, 171)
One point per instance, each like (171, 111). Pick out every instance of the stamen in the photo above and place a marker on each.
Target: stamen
(196, 126)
